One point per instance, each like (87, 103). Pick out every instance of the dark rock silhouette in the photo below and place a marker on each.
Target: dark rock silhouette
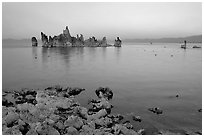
(118, 42)
(137, 118)
(199, 110)
(34, 41)
(156, 110)
(66, 40)
(184, 46)
(196, 47)
(44, 40)
(104, 93)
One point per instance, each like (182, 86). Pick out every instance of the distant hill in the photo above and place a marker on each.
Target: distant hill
(190, 39)
(16, 42)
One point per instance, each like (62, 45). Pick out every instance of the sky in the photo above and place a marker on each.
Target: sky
(126, 20)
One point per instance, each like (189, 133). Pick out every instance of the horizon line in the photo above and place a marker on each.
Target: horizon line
(111, 39)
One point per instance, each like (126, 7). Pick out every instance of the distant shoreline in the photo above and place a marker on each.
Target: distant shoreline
(189, 39)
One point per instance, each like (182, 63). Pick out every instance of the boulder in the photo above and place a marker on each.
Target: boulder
(104, 122)
(73, 121)
(8, 100)
(101, 104)
(75, 91)
(156, 110)
(98, 115)
(120, 129)
(71, 131)
(60, 125)
(137, 118)
(44, 129)
(83, 112)
(104, 93)
(10, 118)
(11, 131)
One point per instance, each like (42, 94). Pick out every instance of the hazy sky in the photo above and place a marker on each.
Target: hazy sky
(127, 20)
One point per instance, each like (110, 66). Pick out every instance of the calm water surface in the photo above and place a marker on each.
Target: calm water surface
(140, 75)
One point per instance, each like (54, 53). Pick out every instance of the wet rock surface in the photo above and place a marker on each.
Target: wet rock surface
(55, 111)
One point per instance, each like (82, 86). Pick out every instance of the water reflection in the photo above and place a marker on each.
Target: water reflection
(118, 53)
(62, 55)
(104, 53)
(34, 52)
(92, 52)
(79, 52)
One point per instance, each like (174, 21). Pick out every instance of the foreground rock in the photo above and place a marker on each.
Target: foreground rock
(55, 111)
(66, 40)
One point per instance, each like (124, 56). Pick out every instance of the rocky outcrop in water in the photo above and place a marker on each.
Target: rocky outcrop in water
(118, 42)
(44, 40)
(66, 40)
(34, 41)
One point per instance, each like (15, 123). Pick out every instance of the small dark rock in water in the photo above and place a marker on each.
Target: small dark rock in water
(118, 42)
(172, 55)
(199, 132)
(104, 92)
(36, 57)
(34, 41)
(199, 110)
(196, 46)
(156, 110)
(177, 96)
(137, 118)
(155, 54)
(141, 132)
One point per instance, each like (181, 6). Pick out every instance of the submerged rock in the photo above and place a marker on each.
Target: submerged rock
(71, 131)
(104, 93)
(137, 118)
(156, 110)
(74, 121)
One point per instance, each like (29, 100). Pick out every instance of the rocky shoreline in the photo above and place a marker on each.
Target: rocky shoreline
(55, 111)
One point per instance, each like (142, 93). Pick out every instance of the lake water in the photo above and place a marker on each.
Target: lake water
(140, 75)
